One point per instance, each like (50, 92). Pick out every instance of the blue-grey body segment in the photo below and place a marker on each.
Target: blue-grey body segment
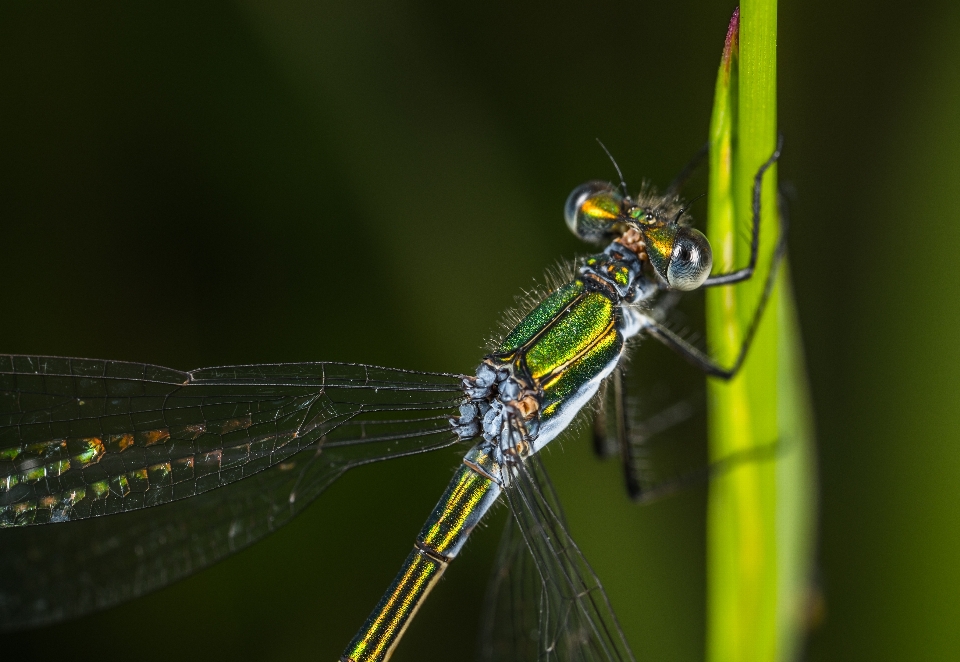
(523, 395)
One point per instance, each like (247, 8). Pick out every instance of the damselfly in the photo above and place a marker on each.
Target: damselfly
(118, 478)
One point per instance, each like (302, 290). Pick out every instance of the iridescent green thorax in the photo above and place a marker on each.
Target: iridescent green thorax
(564, 342)
(540, 317)
(589, 365)
(589, 318)
(524, 395)
(565, 345)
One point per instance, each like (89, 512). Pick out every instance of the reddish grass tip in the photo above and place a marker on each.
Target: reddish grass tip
(731, 44)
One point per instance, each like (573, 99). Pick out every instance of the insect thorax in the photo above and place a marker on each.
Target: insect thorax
(551, 364)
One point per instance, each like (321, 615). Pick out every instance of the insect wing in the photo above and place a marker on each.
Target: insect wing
(189, 467)
(510, 626)
(575, 621)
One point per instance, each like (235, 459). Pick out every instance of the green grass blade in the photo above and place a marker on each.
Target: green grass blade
(796, 487)
(760, 512)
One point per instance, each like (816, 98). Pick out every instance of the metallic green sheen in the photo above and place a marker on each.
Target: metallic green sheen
(386, 624)
(615, 270)
(603, 206)
(540, 317)
(582, 324)
(581, 371)
(659, 243)
(593, 211)
(468, 497)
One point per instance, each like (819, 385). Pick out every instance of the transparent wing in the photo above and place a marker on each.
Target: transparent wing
(510, 626)
(575, 621)
(657, 430)
(118, 478)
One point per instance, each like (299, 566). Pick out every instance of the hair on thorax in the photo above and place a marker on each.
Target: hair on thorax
(555, 277)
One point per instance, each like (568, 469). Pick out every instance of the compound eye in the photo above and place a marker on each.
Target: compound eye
(690, 261)
(592, 211)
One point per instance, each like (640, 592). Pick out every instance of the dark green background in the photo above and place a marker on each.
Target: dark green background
(288, 181)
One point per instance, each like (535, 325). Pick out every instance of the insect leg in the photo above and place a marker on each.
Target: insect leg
(635, 448)
(627, 449)
(601, 442)
(698, 357)
(666, 488)
(746, 272)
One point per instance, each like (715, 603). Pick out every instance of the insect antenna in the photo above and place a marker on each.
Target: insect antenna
(687, 207)
(623, 184)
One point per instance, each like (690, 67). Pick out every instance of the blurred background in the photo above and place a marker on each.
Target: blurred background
(199, 184)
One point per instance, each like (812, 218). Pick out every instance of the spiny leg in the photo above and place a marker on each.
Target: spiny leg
(613, 414)
(694, 355)
(615, 429)
(746, 273)
(635, 445)
(602, 447)
(633, 438)
(630, 441)
(613, 432)
(631, 475)
(679, 412)
(704, 474)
